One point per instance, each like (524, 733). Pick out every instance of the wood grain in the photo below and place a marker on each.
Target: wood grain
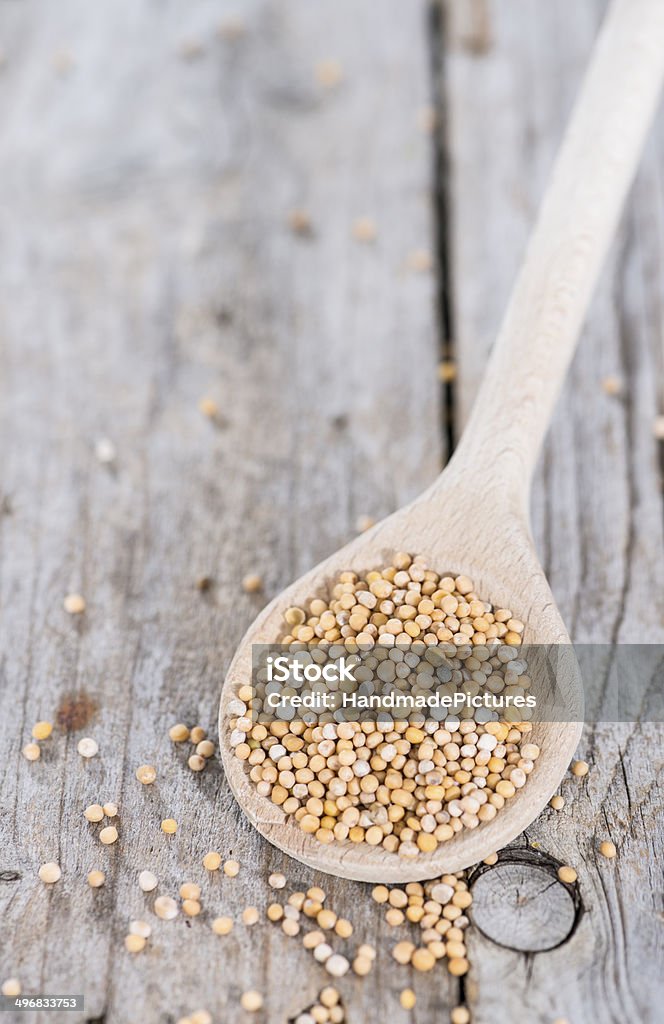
(597, 506)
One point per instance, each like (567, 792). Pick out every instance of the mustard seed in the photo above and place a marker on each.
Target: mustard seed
(367, 951)
(50, 872)
(74, 604)
(42, 730)
(141, 928)
(612, 385)
(250, 915)
(231, 868)
(201, 1017)
(567, 874)
(275, 912)
(252, 583)
(108, 835)
(96, 879)
(196, 763)
(251, 1001)
(300, 222)
(208, 407)
(205, 748)
(422, 959)
(212, 861)
(87, 747)
(146, 774)
(134, 943)
(364, 523)
(364, 230)
(11, 987)
(190, 891)
(31, 752)
(557, 802)
(407, 998)
(380, 893)
(343, 928)
(110, 810)
(362, 965)
(178, 733)
(166, 908)
(580, 768)
(460, 1015)
(290, 927)
(169, 826)
(147, 881)
(276, 880)
(105, 451)
(197, 734)
(458, 966)
(191, 908)
(222, 925)
(337, 965)
(607, 849)
(403, 951)
(491, 859)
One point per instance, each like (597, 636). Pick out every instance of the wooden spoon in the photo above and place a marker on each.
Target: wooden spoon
(474, 518)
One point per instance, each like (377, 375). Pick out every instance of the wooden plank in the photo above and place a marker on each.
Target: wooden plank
(149, 163)
(597, 503)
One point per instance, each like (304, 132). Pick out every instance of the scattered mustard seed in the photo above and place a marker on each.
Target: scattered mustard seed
(300, 222)
(252, 583)
(557, 802)
(208, 407)
(165, 907)
(491, 859)
(87, 747)
(105, 451)
(364, 523)
(407, 998)
(364, 230)
(190, 891)
(231, 868)
(169, 826)
(567, 874)
(110, 810)
(108, 835)
(11, 987)
(275, 912)
(146, 774)
(50, 872)
(337, 965)
(460, 1015)
(343, 928)
(178, 733)
(31, 752)
(201, 1017)
(329, 73)
(447, 371)
(212, 861)
(196, 763)
(580, 768)
(607, 849)
(276, 880)
(362, 965)
(197, 734)
(74, 604)
(612, 385)
(147, 881)
(42, 730)
(419, 260)
(251, 1001)
(96, 879)
(222, 925)
(134, 943)
(250, 915)
(205, 748)
(191, 908)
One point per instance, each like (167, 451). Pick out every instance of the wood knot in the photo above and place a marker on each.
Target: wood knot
(520, 904)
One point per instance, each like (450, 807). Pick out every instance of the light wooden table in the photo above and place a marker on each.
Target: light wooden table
(148, 163)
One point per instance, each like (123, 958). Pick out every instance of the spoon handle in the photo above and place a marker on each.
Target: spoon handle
(577, 218)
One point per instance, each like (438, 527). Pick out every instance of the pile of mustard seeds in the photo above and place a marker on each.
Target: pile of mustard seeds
(407, 784)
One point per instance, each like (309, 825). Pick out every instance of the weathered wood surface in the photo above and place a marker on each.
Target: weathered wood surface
(597, 510)
(147, 262)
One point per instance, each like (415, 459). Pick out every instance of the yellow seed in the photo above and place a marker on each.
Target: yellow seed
(276, 880)
(580, 768)
(146, 774)
(191, 908)
(422, 959)
(134, 943)
(567, 874)
(140, 928)
(87, 747)
(212, 861)
(196, 763)
(74, 604)
(250, 915)
(222, 925)
(447, 371)
(491, 859)
(362, 966)
(147, 881)
(251, 1001)
(110, 810)
(557, 802)
(190, 891)
(96, 878)
(197, 734)
(178, 733)
(11, 987)
(231, 868)
(166, 908)
(208, 407)
(380, 893)
(31, 752)
(108, 835)
(275, 912)
(300, 223)
(205, 748)
(607, 849)
(612, 385)
(169, 826)
(42, 730)
(403, 951)
(460, 1015)
(343, 928)
(458, 966)
(364, 229)
(50, 872)
(252, 583)
(407, 998)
